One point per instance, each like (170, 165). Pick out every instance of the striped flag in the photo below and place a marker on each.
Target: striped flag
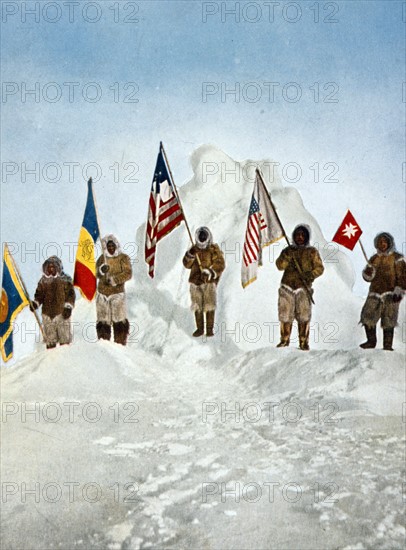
(13, 300)
(263, 229)
(164, 213)
(256, 224)
(85, 264)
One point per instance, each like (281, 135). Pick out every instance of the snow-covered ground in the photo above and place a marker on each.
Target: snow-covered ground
(228, 443)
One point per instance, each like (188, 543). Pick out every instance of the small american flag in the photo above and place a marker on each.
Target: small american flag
(263, 228)
(164, 213)
(255, 225)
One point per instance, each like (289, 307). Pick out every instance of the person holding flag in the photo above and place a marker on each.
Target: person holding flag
(113, 269)
(386, 273)
(206, 263)
(56, 295)
(204, 259)
(301, 264)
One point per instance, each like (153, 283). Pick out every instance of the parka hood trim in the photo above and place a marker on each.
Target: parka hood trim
(57, 263)
(207, 242)
(389, 238)
(105, 240)
(307, 230)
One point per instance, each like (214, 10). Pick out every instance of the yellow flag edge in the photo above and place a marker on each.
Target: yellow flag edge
(14, 277)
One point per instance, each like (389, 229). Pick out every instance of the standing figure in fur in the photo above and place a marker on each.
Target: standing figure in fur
(386, 271)
(294, 300)
(56, 295)
(113, 270)
(206, 263)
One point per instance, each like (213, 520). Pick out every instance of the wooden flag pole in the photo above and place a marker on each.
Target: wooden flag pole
(298, 268)
(180, 204)
(26, 292)
(363, 251)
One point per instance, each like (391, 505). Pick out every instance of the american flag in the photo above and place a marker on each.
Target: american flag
(256, 224)
(164, 213)
(263, 228)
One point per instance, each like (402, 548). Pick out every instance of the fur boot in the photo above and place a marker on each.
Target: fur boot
(199, 318)
(388, 338)
(286, 329)
(371, 338)
(210, 323)
(103, 331)
(121, 330)
(304, 329)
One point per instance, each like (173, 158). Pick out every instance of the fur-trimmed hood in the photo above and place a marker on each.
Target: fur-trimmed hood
(203, 242)
(105, 240)
(307, 231)
(389, 238)
(59, 269)
(57, 263)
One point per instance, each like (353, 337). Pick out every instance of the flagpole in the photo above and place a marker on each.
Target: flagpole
(298, 268)
(180, 204)
(363, 251)
(21, 281)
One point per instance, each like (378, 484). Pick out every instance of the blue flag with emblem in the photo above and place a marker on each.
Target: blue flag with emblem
(13, 300)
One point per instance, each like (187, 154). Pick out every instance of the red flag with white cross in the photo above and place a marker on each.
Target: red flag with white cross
(349, 232)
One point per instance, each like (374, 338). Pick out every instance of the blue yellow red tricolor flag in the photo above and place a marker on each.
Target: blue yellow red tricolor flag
(85, 265)
(13, 300)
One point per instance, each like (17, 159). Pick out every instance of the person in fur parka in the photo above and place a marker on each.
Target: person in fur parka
(294, 301)
(206, 263)
(113, 269)
(56, 295)
(386, 271)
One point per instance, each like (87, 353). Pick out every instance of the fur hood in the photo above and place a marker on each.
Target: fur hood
(307, 231)
(58, 265)
(59, 269)
(105, 240)
(203, 243)
(390, 240)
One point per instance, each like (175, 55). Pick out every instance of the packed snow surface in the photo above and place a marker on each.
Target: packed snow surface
(222, 443)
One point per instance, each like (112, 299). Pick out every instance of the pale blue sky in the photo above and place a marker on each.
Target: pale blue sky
(169, 53)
